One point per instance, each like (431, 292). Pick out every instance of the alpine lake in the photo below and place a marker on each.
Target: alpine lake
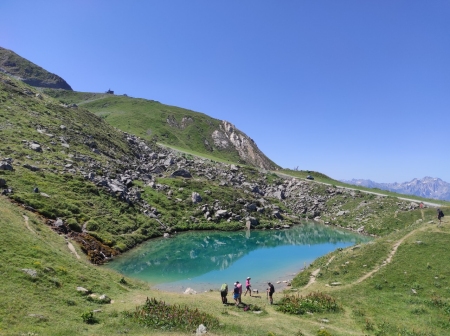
(203, 260)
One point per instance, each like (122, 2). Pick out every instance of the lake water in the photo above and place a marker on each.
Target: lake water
(203, 260)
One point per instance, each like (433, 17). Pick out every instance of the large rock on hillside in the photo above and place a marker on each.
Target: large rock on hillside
(229, 136)
(28, 72)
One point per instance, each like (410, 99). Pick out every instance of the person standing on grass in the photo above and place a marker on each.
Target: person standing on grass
(440, 214)
(236, 294)
(224, 293)
(270, 291)
(239, 286)
(248, 287)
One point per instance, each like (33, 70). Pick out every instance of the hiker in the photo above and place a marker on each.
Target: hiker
(440, 214)
(224, 293)
(248, 287)
(239, 286)
(236, 294)
(270, 292)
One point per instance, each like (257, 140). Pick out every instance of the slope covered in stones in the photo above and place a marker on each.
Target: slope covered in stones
(112, 189)
(173, 126)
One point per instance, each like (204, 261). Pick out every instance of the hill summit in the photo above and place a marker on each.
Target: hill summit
(28, 72)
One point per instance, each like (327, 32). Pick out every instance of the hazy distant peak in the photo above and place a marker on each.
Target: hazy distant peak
(429, 187)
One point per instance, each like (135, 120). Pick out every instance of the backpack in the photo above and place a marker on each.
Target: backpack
(224, 288)
(441, 213)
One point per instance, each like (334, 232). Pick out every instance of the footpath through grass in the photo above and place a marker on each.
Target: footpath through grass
(406, 295)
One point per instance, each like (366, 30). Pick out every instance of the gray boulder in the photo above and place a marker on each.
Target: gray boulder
(221, 213)
(30, 167)
(36, 147)
(59, 222)
(104, 299)
(31, 272)
(201, 330)
(277, 214)
(251, 207)
(251, 221)
(182, 173)
(279, 194)
(83, 290)
(6, 166)
(168, 162)
(196, 198)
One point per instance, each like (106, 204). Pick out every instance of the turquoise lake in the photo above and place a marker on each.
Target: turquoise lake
(203, 260)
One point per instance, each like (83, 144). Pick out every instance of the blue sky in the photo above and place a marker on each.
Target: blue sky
(353, 89)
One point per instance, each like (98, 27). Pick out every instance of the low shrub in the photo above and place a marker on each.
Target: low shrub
(160, 315)
(73, 225)
(89, 318)
(313, 302)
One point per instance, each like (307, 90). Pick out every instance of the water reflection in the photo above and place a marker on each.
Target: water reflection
(191, 254)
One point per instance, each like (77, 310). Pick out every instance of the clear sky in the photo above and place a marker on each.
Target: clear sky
(351, 88)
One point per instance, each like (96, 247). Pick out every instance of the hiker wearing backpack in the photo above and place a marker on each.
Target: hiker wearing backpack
(224, 293)
(440, 214)
(236, 294)
(270, 291)
(239, 286)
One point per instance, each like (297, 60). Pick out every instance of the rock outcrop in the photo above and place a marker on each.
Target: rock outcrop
(228, 136)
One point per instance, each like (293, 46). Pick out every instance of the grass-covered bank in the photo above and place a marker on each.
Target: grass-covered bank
(397, 285)
(383, 304)
(61, 160)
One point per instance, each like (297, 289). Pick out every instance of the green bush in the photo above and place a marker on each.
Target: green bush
(159, 315)
(315, 302)
(89, 318)
(73, 225)
(92, 225)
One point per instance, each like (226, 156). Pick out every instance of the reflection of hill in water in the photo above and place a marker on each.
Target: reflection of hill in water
(194, 253)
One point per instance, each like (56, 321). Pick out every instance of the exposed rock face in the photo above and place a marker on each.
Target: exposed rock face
(28, 72)
(228, 136)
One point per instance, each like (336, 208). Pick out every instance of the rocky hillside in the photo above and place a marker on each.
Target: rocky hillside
(428, 187)
(28, 72)
(110, 190)
(173, 126)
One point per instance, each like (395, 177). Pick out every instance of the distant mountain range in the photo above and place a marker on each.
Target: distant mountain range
(428, 187)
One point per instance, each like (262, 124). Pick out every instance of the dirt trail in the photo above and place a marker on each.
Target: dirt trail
(431, 204)
(72, 249)
(388, 259)
(27, 224)
(69, 244)
(314, 273)
(376, 269)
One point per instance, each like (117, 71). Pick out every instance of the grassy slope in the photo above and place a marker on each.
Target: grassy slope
(148, 119)
(59, 272)
(384, 302)
(21, 67)
(71, 197)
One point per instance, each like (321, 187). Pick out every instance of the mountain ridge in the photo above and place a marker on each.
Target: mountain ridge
(428, 187)
(20, 68)
(171, 125)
